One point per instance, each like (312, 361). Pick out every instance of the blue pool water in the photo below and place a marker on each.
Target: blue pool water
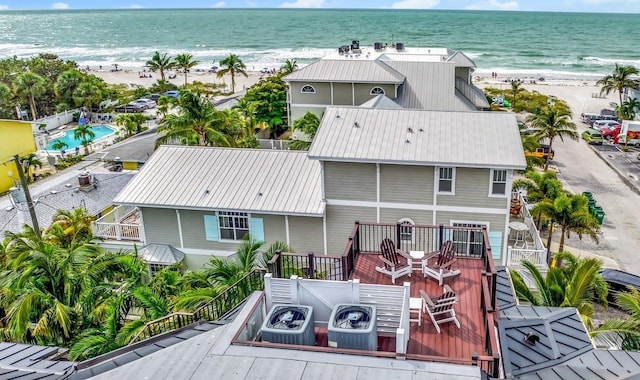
(99, 130)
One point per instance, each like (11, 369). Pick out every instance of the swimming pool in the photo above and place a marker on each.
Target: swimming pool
(99, 130)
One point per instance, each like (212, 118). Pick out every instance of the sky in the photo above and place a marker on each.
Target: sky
(617, 6)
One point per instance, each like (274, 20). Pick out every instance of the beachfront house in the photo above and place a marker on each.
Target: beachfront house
(408, 167)
(412, 78)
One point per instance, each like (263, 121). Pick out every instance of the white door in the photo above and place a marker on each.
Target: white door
(469, 243)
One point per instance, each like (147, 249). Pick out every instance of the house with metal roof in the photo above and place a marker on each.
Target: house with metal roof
(412, 167)
(413, 78)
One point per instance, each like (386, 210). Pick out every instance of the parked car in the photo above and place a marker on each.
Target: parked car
(599, 124)
(609, 133)
(541, 152)
(172, 94)
(618, 281)
(129, 108)
(147, 103)
(153, 97)
(591, 136)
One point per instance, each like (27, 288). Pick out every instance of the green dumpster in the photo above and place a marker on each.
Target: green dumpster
(597, 210)
(600, 217)
(589, 195)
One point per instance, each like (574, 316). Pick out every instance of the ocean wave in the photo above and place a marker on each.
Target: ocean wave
(538, 73)
(610, 61)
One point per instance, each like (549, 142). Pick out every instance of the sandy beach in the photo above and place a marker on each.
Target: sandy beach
(136, 78)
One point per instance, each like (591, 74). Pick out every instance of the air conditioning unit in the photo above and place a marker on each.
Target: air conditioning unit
(289, 324)
(353, 327)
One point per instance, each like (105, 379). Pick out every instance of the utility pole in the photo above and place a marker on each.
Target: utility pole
(27, 195)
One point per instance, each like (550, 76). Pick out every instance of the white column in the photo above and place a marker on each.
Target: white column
(331, 84)
(377, 192)
(324, 230)
(143, 235)
(353, 94)
(435, 194)
(322, 192)
(286, 229)
(179, 228)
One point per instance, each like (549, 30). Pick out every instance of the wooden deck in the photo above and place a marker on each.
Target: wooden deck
(456, 345)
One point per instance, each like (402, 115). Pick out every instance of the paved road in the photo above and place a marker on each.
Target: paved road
(612, 176)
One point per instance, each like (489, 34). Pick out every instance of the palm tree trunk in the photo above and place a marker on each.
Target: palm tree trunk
(549, 258)
(32, 104)
(185, 78)
(233, 82)
(561, 247)
(546, 161)
(162, 74)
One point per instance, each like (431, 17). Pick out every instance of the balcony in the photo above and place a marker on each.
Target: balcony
(528, 245)
(475, 343)
(120, 224)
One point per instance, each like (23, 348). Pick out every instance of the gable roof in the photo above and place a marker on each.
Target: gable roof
(461, 60)
(248, 180)
(429, 86)
(562, 336)
(355, 71)
(381, 101)
(435, 138)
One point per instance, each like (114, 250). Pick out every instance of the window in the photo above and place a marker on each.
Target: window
(445, 180)
(308, 89)
(377, 91)
(155, 268)
(498, 182)
(406, 230)
(469, 239)
(233, 225)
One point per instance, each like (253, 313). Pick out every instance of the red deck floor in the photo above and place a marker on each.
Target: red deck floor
(451, 343)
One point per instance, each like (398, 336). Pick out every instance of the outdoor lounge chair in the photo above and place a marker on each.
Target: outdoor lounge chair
(396, 262)
(438, 265)
(440, 309)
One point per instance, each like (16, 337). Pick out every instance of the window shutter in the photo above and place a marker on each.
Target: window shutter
(211, 227)
(495, 239)
(256, 228)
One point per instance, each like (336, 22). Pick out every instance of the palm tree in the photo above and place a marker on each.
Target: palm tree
(71, 226)
(539, 186)
(59, 145)
(308, 124)
(571, 213)
(290, 65)
(570, 282)
(185, 62)
(31, 162)
(132, 122)
(88, 94)
(66, 85)
(553, 122)
(233, 66)
(31, 86)
(160, 63)
(515, 90)
(619, 80)
(6, 104)
(629, 108)
(197, 122)
(84, 133)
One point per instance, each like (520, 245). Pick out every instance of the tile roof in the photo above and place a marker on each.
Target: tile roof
(417, 137)
(249, 180)
(355, 71)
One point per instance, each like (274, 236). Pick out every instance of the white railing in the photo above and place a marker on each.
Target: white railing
(537, 253)
(273, 144)
(110, 226)
(391, 302)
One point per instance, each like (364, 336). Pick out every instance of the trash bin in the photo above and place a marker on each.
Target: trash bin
(600, 217)
(597, 210)
(589, 195)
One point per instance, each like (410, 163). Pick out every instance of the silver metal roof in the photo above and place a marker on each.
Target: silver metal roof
(161, 254)
(596, 364)
(351, 71)
(429, 86)
(249, 180)
(417, 137)
(381, 101)
(27, 361)
(461, 60)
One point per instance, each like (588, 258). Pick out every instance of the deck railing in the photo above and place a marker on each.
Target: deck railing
(537, 254)
(211, 311)
(110, 225)
(489, 363)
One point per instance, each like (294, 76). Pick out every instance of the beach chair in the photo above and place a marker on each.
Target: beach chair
(438, 264)
(396, 262)
(440, 309)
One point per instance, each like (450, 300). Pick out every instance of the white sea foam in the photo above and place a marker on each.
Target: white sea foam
(611, 61)
(539, 73)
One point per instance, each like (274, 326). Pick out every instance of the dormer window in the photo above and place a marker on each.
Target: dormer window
(308, 89)
(377, 91)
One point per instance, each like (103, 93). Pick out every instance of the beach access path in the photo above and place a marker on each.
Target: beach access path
(581, 168)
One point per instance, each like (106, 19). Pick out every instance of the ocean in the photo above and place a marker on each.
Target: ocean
(553, 45)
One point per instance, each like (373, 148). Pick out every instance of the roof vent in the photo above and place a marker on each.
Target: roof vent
(86, 182)
(531, 338)
(337, 116)
(421, 129)
(407, 141)
(399, 46)
(356, 125)
(409, 130)
(377, 46)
